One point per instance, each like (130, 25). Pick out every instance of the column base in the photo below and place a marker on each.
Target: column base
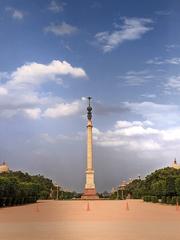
(89, 194)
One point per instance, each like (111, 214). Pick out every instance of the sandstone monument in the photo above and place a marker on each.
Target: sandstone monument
(4, 167)
(90, 189)
(175, 164)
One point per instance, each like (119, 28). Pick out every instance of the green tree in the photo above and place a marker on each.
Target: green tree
(170, 186)
(177, 185)
(158, 188)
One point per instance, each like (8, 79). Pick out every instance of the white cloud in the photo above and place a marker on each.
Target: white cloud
(133, 136)
(148, 95)
(56, 139)
(171, 134)
(127, 124)
(137, 130)
(170, 47)
(138, 137)
(131, 29)
(15, 13)
(3, 91)
(164, 12)
(22, 93)
(33, 113)
(9, 113)
(161, 114)
(160, 61)
(33, 74)
(46, 137)
(173, 83)
(136, 78)
(62, 110)
(61, 29)
(56, 6)
(96, 131)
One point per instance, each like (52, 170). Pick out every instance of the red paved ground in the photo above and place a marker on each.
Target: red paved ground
(105, 220)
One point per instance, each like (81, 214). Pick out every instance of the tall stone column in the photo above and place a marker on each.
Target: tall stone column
(90, 189)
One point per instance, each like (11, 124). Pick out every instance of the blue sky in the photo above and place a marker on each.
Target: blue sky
(125, 55)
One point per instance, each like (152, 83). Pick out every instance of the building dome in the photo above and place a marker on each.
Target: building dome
(4, 167)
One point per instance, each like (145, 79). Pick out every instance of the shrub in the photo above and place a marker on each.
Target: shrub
(163, 199)
(154, 199)
(174, 200)
(178, 200)
(168, 200)
(147, 198)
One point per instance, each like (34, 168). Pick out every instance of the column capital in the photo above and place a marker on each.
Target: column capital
(89, 124)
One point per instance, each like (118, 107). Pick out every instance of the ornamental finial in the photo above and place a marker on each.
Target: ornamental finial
(89, 109)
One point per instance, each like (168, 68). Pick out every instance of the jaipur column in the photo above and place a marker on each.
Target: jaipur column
(90, 189)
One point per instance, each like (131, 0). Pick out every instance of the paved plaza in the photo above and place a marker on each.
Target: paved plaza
(93, 220)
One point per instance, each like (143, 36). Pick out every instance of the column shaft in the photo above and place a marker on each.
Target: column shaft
(89, 146)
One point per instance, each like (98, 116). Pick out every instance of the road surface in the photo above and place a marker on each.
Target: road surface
(93, 220)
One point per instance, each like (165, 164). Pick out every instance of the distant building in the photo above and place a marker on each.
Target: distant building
(4, 167)
(113, 190)
(175, 164)
(123, 185)
(106, 194)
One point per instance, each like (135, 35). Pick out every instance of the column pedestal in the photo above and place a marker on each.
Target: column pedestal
(89, 194)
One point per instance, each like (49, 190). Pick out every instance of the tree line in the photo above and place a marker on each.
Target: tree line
(163, 185)
(18, 188)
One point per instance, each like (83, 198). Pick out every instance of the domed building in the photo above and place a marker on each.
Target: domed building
(4, 167)
(175, 164)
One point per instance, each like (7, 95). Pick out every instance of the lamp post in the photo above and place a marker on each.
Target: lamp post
(117, 192)
(57, 191)
(122, 188)
(62, 194)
